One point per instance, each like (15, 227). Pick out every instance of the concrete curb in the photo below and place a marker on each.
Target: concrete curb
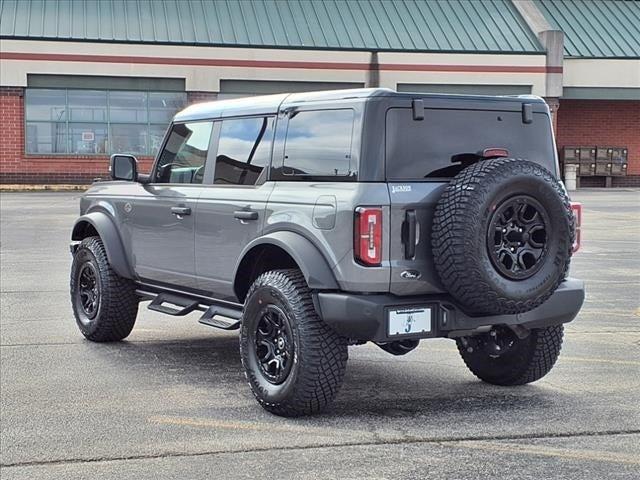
(41, 188)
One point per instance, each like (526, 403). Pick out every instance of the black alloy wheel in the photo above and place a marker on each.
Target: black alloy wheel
(274, 344)
(517, 237)
(88, 292)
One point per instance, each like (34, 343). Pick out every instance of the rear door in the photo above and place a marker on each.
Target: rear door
(231, 209)
(421, 158)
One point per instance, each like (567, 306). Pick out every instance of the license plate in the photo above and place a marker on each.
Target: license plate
(409, 321)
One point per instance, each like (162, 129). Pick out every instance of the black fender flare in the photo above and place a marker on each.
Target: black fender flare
(312, 263)
(110, 237)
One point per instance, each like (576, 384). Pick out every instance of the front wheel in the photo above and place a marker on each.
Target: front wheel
(501, 358)
(105, 304)
(294, 362)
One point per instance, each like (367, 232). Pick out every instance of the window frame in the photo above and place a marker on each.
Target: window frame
(67, 122)
(276, 172)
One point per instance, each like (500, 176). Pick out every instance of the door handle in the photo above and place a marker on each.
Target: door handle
(409, 234)
(180, 211)
(245, 215)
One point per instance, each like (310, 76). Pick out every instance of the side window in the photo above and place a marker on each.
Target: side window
(185, 153)
(244, 150)
(318, 144)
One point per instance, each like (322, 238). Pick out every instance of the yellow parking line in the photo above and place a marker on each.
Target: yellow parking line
(599, 360)
(252, 426)
(212, 423)
(593, 455)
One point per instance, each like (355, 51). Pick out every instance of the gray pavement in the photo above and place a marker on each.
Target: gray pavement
(171, 401)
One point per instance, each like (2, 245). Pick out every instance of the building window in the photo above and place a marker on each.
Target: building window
(98, 122)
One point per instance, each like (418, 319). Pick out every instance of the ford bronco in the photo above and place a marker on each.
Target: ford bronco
(315, 221)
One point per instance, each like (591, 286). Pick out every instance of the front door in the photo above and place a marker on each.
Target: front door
(162, 218)
(231, 212)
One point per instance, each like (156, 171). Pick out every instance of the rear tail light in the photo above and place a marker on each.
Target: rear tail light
(367, 236)
(576, 209)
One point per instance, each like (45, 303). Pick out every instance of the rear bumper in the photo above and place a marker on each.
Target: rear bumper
(364, 317)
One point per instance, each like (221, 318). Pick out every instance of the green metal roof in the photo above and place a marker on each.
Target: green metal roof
(596, 28)
(407, 25)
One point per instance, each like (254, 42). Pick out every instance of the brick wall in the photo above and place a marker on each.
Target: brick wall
(16, 167)
(11, 130)
(602, 123)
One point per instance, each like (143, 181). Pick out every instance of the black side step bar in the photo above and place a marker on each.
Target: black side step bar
(217, 313)
(231, 320)
(187, 304)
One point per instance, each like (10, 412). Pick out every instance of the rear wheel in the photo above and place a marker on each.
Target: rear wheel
(105, 304)
(294, 362)
(501, 358)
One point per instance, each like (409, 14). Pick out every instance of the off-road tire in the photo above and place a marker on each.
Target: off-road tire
(460, 242)
(527, 361)
(320, 354)
(118, 303)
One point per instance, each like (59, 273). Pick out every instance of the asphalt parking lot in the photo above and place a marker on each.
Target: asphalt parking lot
(171, 401)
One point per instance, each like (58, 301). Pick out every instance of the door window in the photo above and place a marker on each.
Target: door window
(244, 150)
(185, 153)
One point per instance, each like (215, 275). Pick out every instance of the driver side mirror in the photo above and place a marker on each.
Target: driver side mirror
(123, 167)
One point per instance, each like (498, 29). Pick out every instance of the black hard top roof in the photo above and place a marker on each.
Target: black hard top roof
(270, 104)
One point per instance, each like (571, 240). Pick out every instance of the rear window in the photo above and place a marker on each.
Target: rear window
(435, 146)
(318, 144)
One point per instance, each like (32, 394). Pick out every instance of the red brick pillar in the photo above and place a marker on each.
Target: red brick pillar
(12, 133)
(554, 105)
(199, 97)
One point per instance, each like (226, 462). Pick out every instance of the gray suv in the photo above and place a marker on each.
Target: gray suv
(315, 221)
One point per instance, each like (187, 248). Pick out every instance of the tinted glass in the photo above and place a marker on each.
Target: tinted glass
(426, 148)
(318, 143)
(243, 150)
(185, 153)
(87, 105)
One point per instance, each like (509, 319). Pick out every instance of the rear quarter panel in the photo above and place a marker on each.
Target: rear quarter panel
(307, 208)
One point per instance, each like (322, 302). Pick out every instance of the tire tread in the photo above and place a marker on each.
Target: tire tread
(537, 360)
(456, 220)
(118, 302)
(322, 355)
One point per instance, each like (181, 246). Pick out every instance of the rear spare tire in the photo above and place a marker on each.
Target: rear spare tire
(502, 236)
